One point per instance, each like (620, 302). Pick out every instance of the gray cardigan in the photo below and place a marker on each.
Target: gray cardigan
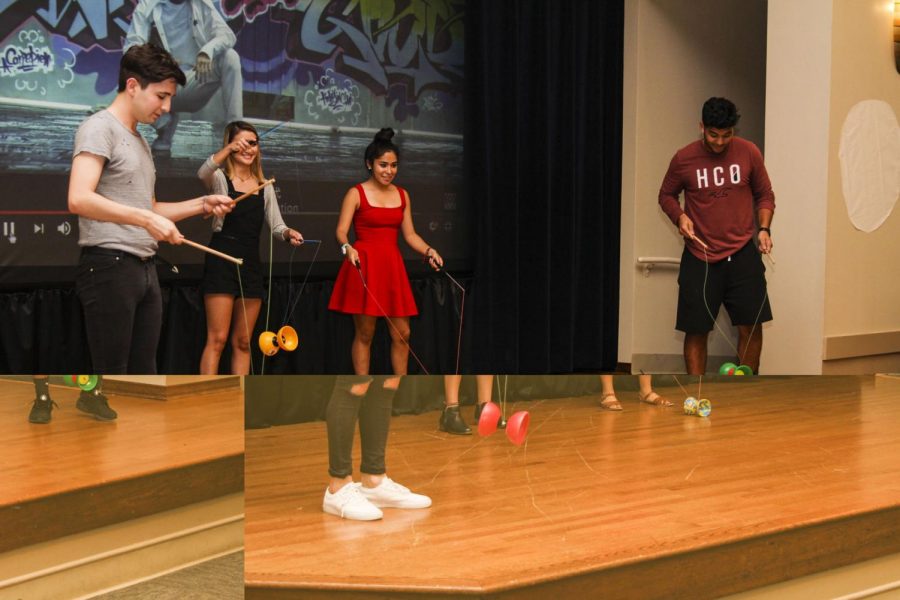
(213, 178)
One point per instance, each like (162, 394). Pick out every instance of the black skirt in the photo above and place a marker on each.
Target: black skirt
(221, 276)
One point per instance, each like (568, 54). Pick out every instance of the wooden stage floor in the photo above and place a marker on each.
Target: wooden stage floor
(76, 473)
(788, 476)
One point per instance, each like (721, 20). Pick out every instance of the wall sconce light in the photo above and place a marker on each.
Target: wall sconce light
(897, 34)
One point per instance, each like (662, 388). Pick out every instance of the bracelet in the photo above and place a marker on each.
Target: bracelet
(766, 229)
(427, 250)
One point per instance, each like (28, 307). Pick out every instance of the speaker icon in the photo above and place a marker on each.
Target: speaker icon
(64, 228)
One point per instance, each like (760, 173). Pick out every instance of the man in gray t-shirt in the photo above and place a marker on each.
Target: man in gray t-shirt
(111, 189)
(128, 176)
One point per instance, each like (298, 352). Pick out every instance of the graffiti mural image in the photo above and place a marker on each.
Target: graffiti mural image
(330, 96)
(399, 59)
(322, 75)
(20, 59)
(32, 64)
(96, 22)
(396, 52)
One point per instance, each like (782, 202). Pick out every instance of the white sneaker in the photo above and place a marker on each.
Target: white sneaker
(348, 503)
(390, 494)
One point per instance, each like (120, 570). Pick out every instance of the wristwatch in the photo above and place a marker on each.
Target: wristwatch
(766, 229)
(344, 247)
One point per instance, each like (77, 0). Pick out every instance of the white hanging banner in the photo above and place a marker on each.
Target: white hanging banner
(870, 163)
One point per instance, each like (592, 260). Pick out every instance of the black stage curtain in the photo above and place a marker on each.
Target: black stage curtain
(296, 399)
(43, 331)
(543, 154)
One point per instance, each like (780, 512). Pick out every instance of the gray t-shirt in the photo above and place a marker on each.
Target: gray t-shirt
(128, 178)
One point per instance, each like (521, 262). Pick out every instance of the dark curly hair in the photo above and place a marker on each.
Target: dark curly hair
(720, 113)
(380, 145)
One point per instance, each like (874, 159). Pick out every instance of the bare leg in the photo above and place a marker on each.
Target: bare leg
(243, 320)
(361, 349)
(336, 483)
(606, 385)
(485, 384)
(218, 319)
(645, 382)
(695, 353)
(608, 398)
(451, 389)
(750, 346)
(646, 393)
(371, 481)
(399, 344)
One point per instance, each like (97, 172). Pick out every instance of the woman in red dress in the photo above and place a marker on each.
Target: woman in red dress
(378, 209)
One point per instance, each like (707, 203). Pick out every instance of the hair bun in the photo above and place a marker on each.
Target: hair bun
(384, 134)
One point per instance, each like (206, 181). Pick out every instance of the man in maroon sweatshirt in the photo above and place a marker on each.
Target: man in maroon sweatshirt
(725, 185)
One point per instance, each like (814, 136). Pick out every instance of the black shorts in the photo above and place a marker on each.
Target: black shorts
(738, 282)
(221, 276)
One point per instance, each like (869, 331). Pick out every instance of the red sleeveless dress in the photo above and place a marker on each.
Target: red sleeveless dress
(381, 264)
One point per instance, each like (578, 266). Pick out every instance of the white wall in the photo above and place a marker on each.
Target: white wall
(834, 287)
(797, 112)
(862, 276)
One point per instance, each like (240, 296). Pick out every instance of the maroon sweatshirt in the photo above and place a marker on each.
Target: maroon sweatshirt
(721, 193)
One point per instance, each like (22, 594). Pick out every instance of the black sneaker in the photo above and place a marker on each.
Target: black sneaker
(96, 405)
(40, 411)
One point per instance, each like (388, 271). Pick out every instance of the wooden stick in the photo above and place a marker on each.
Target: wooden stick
(254, 190)
(769, 256)
(248, 194)
(237, 261)
(699, 241)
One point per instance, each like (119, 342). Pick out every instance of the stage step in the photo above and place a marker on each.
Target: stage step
(121, 555)
(87, 506)
(109, 502)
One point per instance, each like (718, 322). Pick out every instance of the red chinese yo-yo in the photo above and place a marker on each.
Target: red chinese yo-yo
(490, 417)
(517, 427)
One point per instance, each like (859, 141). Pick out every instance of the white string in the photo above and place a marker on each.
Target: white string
(462, 310)
(737, 353)
(389, 322)
(293, 307)
(501, 393)
(244, 309)
(675, 377)
(262, 369)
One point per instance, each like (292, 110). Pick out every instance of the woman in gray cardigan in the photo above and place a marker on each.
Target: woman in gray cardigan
(233, 303)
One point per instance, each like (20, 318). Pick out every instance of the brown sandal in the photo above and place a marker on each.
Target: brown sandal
(653, 398)
(609, 401)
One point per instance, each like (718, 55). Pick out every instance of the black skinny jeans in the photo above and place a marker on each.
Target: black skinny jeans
(122, 304)
(374, 413)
